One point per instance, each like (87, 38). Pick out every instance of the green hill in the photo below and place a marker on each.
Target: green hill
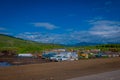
(23, 46)
(18, 45)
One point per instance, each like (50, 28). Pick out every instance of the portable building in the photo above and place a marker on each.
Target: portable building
(25, 55)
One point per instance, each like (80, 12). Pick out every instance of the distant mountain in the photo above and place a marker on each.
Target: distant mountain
(92, 44)
(84, 44)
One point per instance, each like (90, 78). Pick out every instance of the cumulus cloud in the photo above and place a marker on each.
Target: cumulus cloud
(46, 25)
(6, 33)
(43, 37)
(2, 28)
(105, 28)
(102, 31)
(104, 22)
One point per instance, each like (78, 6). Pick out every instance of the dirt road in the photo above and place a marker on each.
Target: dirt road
(113, 75)
(59, 70)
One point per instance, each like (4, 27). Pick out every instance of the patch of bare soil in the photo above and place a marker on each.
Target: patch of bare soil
(59, 70)
(23, 60)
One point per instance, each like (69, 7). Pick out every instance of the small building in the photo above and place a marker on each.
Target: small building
(25, 55)
(59, 50)
(95, 50)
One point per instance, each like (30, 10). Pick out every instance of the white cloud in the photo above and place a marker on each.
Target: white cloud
(101, 31)
(46, 37)
(6, 33)
(104, 22)
(105, 28)
(46, 25)
(2, 28)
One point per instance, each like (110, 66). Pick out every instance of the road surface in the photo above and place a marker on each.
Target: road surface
(113, 75)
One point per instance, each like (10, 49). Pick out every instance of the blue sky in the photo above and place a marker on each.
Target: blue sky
(61, 21)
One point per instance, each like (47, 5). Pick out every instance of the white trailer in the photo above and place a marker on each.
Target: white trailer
(25, 55)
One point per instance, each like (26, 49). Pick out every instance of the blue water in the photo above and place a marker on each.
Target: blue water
(5, 64)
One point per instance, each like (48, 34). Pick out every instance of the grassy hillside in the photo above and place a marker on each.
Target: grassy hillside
(22, 46)
(25, 46)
